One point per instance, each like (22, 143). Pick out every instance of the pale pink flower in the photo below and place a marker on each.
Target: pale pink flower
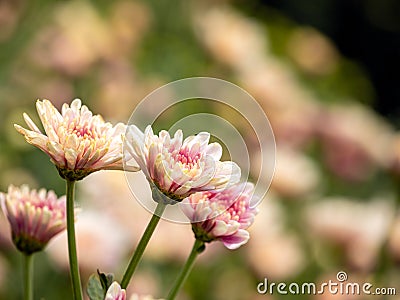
(77, 142)
(35, 216)
(222, 215)
(351, 225)
(180, 168)
(115, 292)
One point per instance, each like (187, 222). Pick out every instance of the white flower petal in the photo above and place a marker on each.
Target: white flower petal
(115, 292)
(220, 228)
(30, 123)
(214, 150)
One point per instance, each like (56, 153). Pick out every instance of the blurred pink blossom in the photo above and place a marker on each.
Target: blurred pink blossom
(73, 47)
(312, 51)
(359, 228)
(35, 216)
(230, 37)
(355, 141)
(296, 174)
(273, 249)
(111, 242)
(292, 108)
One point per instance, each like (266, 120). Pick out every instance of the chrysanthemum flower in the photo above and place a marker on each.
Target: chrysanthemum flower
(222, 215)
(115, 292)
(35, 216)
(177, 168)
(77, 142)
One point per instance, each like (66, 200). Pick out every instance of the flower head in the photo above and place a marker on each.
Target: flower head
(35, 216)
(222, 215)
(177, 168)
(115, 292)
(77, 142)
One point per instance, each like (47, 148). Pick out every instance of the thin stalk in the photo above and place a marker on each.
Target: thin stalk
(142, 244)
(198, 247)
(73, 258)
(28, 276)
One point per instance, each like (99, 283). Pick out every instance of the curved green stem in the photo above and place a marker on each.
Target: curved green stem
(142, 244)
(28, 276)
(198, 247)
(73, 258)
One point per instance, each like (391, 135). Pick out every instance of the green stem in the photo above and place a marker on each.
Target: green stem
(142, 244)
(73, 258)
(198, 247)
(28, 276)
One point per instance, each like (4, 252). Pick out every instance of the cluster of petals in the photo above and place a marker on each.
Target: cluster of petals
(115, 292)
(177, 167)
(77, 141)
(222, 215)
(35, 216)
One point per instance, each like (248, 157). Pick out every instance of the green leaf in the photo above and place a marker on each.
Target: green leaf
(106, 280)
(94, 288)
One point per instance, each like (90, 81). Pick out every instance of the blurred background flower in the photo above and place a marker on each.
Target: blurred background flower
(35, 216)
(325, 73)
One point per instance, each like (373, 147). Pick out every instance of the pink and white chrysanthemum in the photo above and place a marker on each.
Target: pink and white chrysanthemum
(115, 292)
(222, 215)
(35, 216)
(178, 168)
(77, 141)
